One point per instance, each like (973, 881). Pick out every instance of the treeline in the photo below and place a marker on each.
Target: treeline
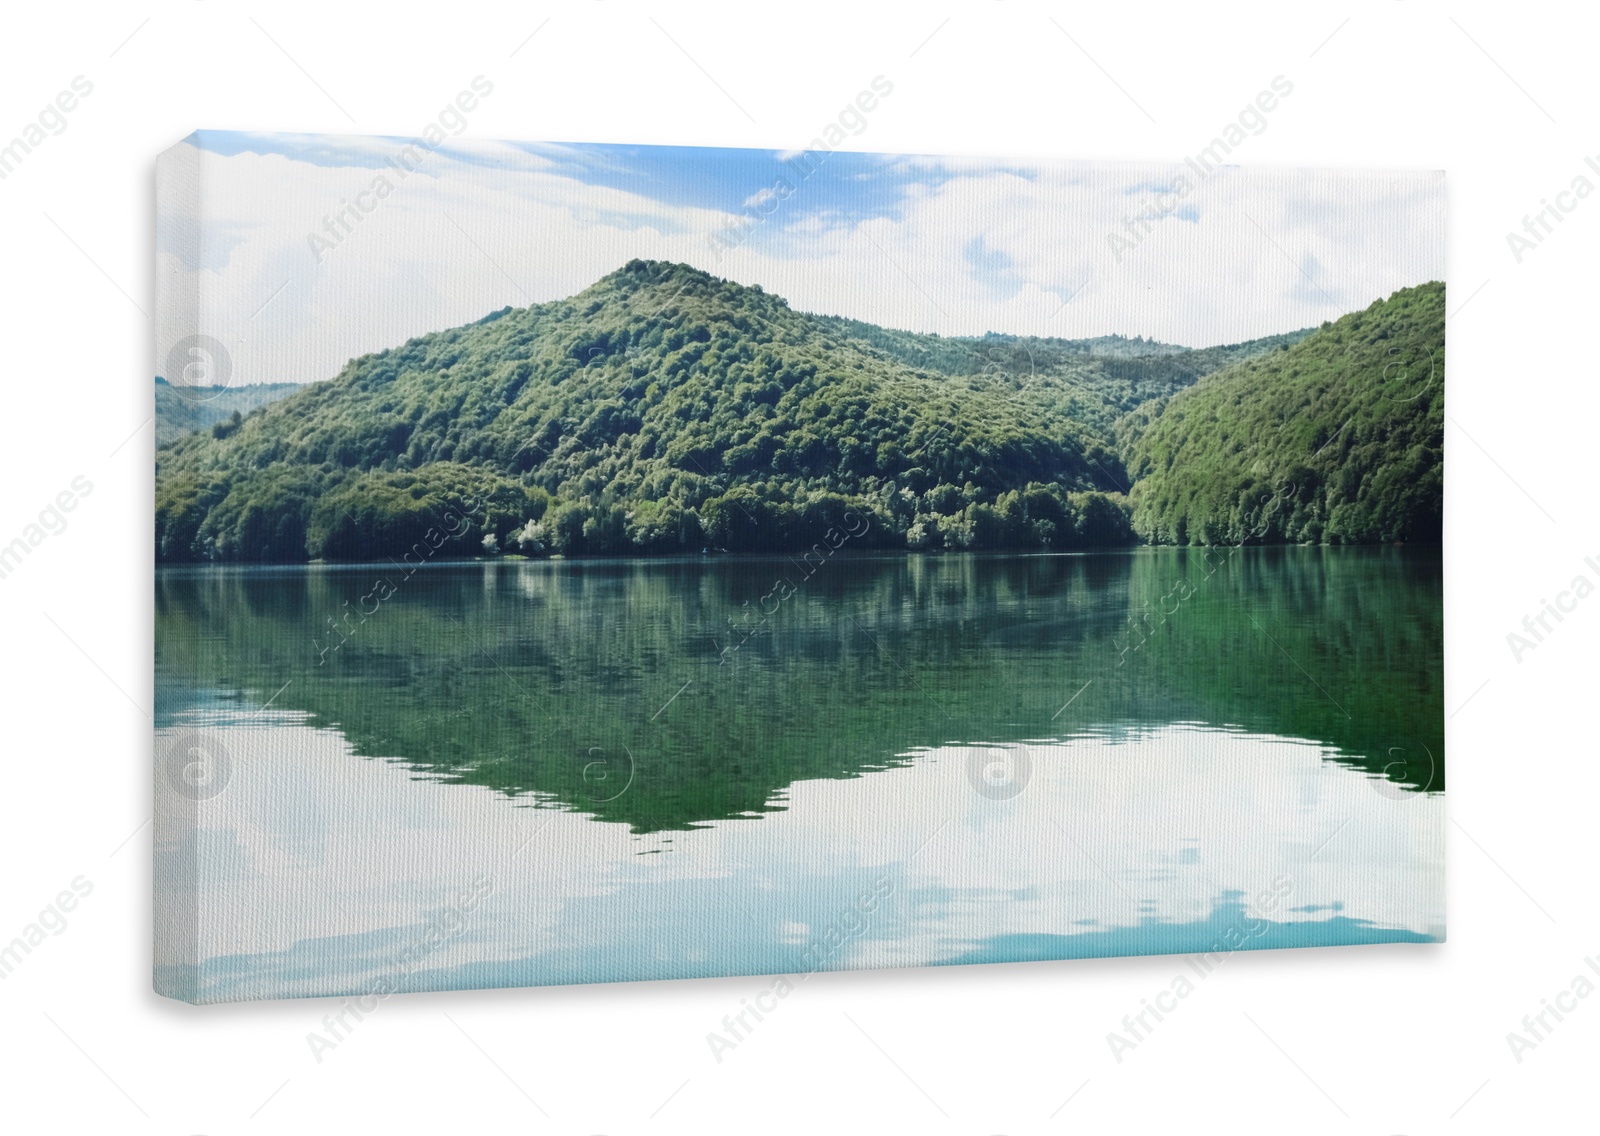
(447, 509)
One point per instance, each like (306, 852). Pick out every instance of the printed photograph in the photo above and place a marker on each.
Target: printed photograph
(583, 563)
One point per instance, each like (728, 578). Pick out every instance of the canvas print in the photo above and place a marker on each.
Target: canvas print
(586, 563)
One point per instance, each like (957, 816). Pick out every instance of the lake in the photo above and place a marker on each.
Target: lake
(508, 773)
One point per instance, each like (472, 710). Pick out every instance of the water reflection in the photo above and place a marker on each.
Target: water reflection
(519, 773)
(327, 874)
(534, 678)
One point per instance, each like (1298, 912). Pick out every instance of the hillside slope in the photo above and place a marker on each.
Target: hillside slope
(1336, 439)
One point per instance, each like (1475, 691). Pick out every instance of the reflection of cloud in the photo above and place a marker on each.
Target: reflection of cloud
(1228, 923)
(346, 854)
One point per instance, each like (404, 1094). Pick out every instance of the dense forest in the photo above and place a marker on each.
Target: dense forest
(664, 410)
(1336, 439)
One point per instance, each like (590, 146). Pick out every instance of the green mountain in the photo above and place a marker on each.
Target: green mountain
(664, 410)
(183, 410)
(1336, 439)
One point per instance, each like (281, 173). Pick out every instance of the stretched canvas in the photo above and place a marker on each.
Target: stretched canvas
(587, 563)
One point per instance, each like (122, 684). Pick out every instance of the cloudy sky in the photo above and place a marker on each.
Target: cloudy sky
(958, 246)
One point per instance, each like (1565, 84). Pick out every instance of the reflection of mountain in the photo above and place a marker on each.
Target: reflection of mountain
(619, 688)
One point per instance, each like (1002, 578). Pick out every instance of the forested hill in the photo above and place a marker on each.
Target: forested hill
(664, 410)
(1336, 439)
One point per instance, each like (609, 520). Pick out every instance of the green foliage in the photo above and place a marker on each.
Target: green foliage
(382, 514)
(1337, 439)
(665, 411)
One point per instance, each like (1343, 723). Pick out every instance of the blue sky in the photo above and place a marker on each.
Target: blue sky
(858, 185)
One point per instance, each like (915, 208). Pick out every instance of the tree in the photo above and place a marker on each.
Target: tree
(530, 538)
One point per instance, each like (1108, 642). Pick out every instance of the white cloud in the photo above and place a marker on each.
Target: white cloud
(482, 225)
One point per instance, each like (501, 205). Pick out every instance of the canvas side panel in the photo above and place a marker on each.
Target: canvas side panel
(175, 869)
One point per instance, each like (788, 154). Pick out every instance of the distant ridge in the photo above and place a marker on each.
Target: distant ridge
(183, 410)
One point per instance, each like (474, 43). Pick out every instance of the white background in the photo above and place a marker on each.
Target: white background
(1369, 1039)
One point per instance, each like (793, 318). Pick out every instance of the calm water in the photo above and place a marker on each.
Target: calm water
(541, 772)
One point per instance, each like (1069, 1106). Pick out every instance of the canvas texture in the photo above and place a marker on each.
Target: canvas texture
(594, 563)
